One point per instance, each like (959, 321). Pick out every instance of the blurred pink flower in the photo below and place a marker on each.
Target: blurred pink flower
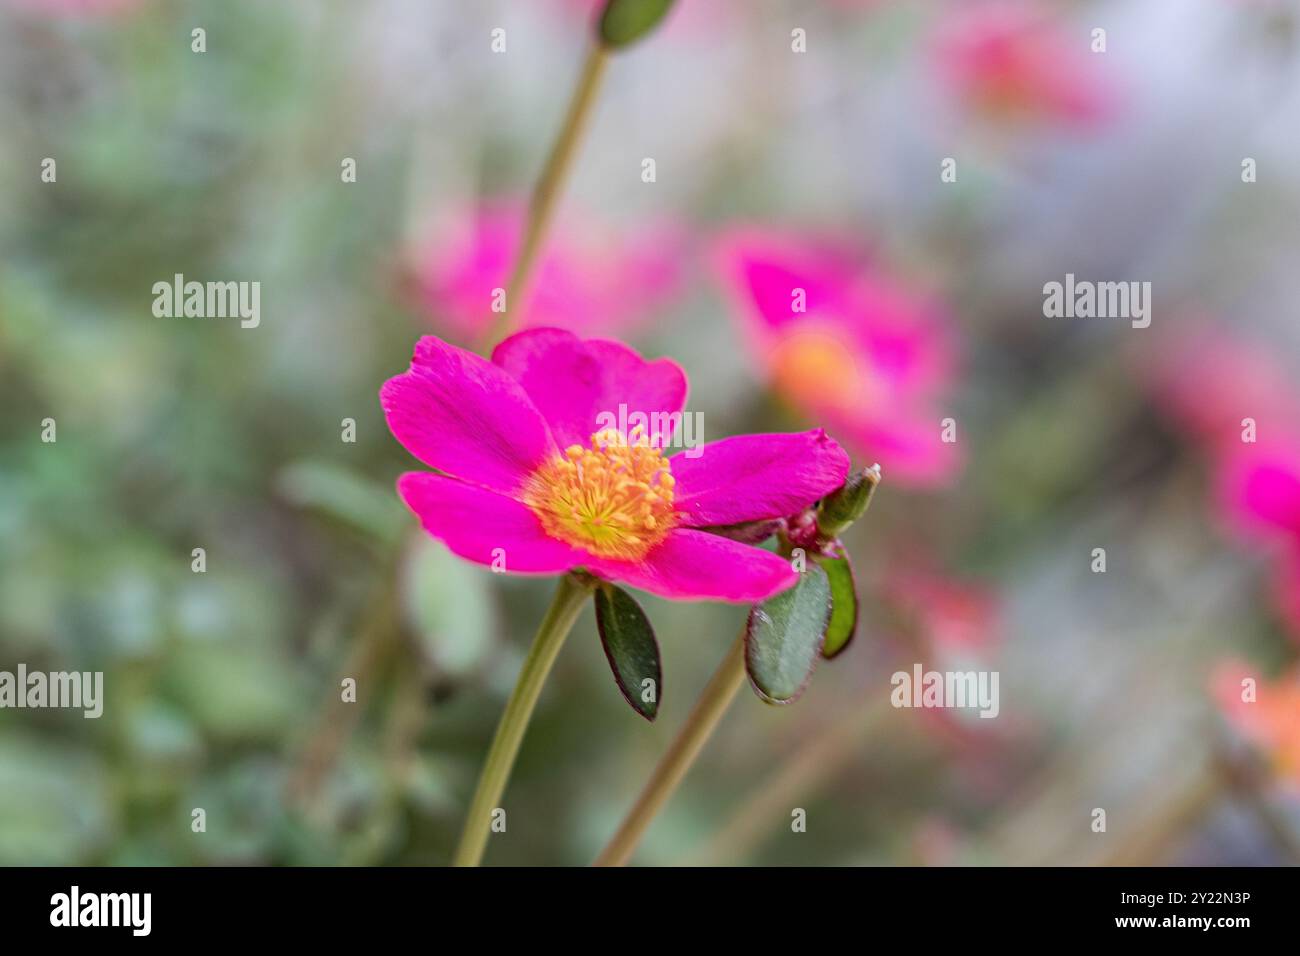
(1259, 489)
(532, 482)
(1007, 61)
(843, 344)
(951, 615)
(935, 842)
(1212, 381)
(588, 278)
(1271, 722)
(1235, 401)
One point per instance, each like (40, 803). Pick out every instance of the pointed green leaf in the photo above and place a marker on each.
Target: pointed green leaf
(785, 635)
(844, 605)
(346, 496)
(626, 21)
(631, 648)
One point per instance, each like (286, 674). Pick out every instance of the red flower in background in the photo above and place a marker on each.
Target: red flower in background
(1008, 62)
(954, 617)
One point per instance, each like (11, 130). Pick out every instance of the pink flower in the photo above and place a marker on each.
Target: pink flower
(587, 279)
(1212, 381)
(952, 616)
(1271, 721)
(1235, 400)
(1258, 488)
(535, 480)
(1008, 62)
(845, 346)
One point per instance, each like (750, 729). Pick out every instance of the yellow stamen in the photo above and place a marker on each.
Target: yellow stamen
(614, 499)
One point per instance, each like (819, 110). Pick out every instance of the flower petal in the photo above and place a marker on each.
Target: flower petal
(763, 270)
(1259, 489)
(463, 415)
(483, 526)
(752, 477)
(691, 565)
(909, 448)
(580, 386)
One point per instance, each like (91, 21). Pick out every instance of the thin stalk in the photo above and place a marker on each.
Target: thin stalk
(569, 597)
(546, 193)
(805, 774)
(337, 717)
(673, 766)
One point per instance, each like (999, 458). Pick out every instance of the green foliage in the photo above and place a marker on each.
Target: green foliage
(785, 636)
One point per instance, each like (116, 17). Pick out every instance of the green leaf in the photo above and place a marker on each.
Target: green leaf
(844, 605)
(626, 21)
(344, 496)
(631, 648)
(784, 636)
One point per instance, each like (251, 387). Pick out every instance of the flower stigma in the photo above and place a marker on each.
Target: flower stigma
(613, 500)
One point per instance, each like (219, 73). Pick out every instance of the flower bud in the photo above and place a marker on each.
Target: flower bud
(841, 508)
(623, 22)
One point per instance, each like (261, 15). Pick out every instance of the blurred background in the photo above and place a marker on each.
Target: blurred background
(793, 145)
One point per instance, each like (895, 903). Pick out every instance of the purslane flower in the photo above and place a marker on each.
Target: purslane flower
(846, 346)
(587, 281)
(955, 617)
(1212, 382)
(1010, 63)
(1236, 401)
(534, 481)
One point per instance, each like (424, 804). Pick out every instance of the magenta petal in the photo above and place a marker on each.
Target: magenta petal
(751, 477)
(463, 415)
(909, 448)
(583, 386)
(762, 268)
(1259, 487)
(483, 526)
(693, 565)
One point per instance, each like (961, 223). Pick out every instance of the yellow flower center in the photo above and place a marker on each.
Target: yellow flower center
(613, 500)
(816, 368)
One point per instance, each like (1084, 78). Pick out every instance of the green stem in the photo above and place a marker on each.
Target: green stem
(547, 191)
(686, 746)
(569, 597)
